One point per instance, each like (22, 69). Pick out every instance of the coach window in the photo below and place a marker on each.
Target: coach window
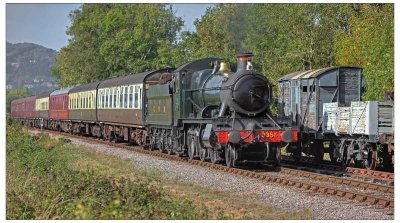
(80, 100)
(114, 97)
(87, 99)
(108, 98)
(111, 97)
(131, 96)
(125, 96)
(140, 97)
(121, 97)
(104, 98)
(136, 100)
(105, 104)
(89, 104)
(109, 90)
(83, 100)
(77, 101)
(93, 99)
(99, 99)
(90, 100)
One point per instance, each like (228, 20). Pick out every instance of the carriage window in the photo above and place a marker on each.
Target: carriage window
(99, 99)
(104, 105)
(140, 97)
(114, 98)
(131, 96)
(107, 96)
(126, 97)
(136, 100)
(121, 97)
(89, 100)
(84, 100)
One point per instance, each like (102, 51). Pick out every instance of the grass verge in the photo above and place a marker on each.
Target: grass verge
(50, 179)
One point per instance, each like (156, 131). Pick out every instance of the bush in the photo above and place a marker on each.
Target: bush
(41, 186)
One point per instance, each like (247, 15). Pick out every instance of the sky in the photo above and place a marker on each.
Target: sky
(45, 24)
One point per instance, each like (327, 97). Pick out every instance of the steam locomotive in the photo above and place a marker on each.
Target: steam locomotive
(205, 109)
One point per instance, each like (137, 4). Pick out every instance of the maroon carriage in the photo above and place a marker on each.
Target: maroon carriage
(58, 109)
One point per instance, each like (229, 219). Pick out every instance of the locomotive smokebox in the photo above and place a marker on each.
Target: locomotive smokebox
(245, 91)
(244, 61)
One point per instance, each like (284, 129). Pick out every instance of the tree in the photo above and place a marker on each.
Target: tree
(116, 39)
(369, 43)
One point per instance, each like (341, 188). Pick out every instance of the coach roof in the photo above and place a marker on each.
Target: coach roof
(85, 87)
(43, 95)
(311, 73)
(61, 91)
(128, 79)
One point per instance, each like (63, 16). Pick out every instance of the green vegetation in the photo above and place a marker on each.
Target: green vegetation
(41, 186)
(115, 39)
(50, 179)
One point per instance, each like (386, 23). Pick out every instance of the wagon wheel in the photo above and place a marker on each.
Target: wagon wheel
(203, 153)
(275, 153)
(318, 150)
(161, 143)
(345, 158)
(230, 158)
(152, 142)
(214, 156)
(168, 145)
(387, 158)
(332, 147)
(370, 162)
(192, 149)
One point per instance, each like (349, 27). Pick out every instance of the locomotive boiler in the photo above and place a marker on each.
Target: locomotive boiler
(219, 112)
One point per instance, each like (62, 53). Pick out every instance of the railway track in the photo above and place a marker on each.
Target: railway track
(328, 168)
(354, 189)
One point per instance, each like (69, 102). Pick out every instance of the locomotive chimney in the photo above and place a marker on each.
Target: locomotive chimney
(244, 61)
